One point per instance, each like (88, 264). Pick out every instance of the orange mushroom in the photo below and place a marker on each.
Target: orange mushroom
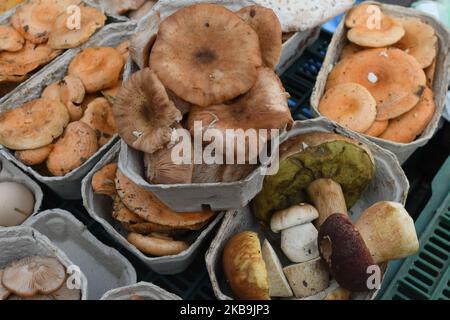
(429, 73)
(377, 128)
(350, 49)
(10, 39)
(98, 116)
(103, 180)
(35, 156)
(157, 245)
(123, 49)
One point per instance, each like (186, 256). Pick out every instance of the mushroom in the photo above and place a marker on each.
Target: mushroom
(349, 104)
(314, 158)
(4, 293)
(11, 40)
(122, 214)
(299, 243)
(350, 49)
(111, 93)
(17, 201)
(34, 125)
(98, 115)
(10, 80)
(143, 113)
(88, 98)
(190, 60)
(293, 216)
(34, 275)
(74, 148)
(156, 245)
(103, 180)
(211, 173)
(98, 68)
(124, 49)
(429, 73)
(343, 249)
(408, 126)
(63, 293)
(35, 156)
(338, 294)
(150, 208)
(244, 267)
(266, 24)
(393, 77)
(61, 37)
(377, 128)
(420, 41)
(388, 231)
(278, 285)
(307, 278)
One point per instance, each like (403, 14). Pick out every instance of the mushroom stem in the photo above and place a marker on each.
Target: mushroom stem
(327, 197)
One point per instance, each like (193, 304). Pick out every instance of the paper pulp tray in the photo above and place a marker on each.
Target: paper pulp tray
(99, 207)
(20, 242)
(440, 83)
(104, 267)
(68, 186)
(388, 184)
(146, 290)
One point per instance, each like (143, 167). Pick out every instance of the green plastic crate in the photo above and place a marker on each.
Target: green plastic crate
(426, 275)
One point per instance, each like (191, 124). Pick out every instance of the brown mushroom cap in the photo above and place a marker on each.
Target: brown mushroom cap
(35, 156)
(150, 208)
(10, 39)
(429, 73)
(143, 113)
(377, 128)
(124, 50)
(420, 41)
(393, 77)
(350, 49)
(111, 93)
(34, 275)
(98, 68)
(344, 251)
(99, 116)
(245, 268)
(122, 214)
(266, 24)
(359, 14)
(10, 79)
(157, 246)
(349, 104)
(103, 180)
(206, 54)
(74, 148)
(409, 125)
(34, 125)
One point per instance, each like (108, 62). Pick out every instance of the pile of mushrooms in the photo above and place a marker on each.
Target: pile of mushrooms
(382, 85)
(153, 228)
(8, 4)
(321, 175)
(60, 131)
(36, 278)
(207, 64)
(134, 9)
(38, 31)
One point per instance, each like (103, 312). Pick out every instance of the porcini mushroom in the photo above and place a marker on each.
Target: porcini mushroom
(266, 24)
(98, 68)
(61, 37)
(143, 113)
(244, 267)
(349, 104)
(299, 243)
(34, 125)
(293, 216)
(11, 40)
(34, 275)
(316, 157)
(156, 245)
(191, 62)
(394, 78)
(35, 156)
(377, 128)
(4, 293)
(74, 148)
(278, 285)
(98, 115)
(103, 180)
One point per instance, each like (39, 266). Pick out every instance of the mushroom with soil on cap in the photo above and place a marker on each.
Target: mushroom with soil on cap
(191, 62)
(278, 285)
(328, 169)
(34, 157)
(156, 244)
(103, 180)
(99, 116)
(11, 40)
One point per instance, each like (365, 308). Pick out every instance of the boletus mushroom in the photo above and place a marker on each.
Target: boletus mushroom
(11, 40)
(34, 157)
(278, 285)
(98, 115)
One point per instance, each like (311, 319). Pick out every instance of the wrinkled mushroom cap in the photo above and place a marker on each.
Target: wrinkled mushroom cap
(394, 78)
(98, 116)
(35, 156)
(34, 125)
(10, 39)
(157, 246)
(103, 180)
(143, 113)
(206, 54)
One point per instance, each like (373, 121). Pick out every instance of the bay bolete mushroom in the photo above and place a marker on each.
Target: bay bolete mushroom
(35, 156)
(103, 180)
(377, 128)
(11, 40)
(278, 285)
(324, 167)
(157, 245)
(143, 112)
(244, 267)
(394, 78)
(34, 125)
(191, 61)
(98, 115)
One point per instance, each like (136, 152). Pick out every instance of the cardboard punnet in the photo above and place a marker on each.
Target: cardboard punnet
(144, 290)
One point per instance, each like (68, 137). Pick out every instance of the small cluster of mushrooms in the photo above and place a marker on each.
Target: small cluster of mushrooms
(321, 175)
(134, 9)
(153, 228)
(60, 131)
(36, 278)
(382, 85)
(209, 65)
(38, 31)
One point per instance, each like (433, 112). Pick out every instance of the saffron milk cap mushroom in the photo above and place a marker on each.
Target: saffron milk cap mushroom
(11, 40)
(293, 216)
(103, 180)
(278, 285)
(377, 128)
(156, 245)
(35, 156)
(98, 115)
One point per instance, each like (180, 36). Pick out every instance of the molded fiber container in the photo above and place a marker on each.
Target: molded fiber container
(144, 290)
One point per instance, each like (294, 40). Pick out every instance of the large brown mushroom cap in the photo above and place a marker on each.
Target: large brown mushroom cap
(98, 68)
(206, 54)
(98, 116)
(10, 39)
(266, 24)
(35, 156)
(393, 77)
(33, 125)
(143, 112)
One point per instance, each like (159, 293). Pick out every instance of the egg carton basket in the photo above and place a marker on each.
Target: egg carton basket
(440, 84)
(20, 242)
(146, 290)
(99, 207)
(388, 184)
(68, 186)
(10, 173)
(104, 267)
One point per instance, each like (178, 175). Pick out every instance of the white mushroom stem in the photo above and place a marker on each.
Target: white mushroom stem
(299, 243)
(293, 216)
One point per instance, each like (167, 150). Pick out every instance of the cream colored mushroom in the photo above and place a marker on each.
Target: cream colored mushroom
(307, 278)
(157, 245)
(293, 216)
(299, 243)
(278, 285)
